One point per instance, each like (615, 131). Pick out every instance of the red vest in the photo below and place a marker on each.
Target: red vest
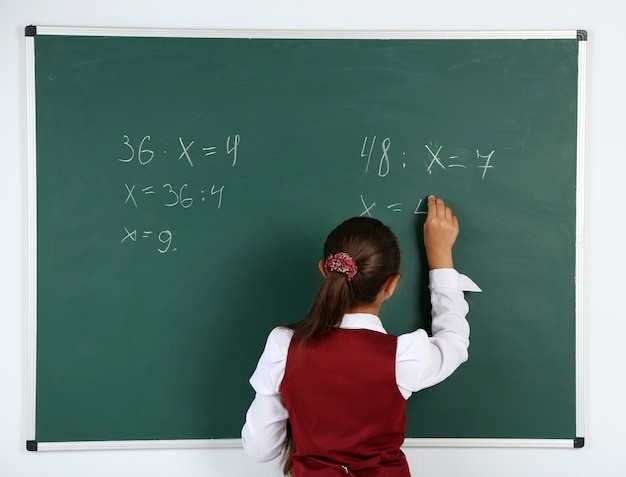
(346, 412)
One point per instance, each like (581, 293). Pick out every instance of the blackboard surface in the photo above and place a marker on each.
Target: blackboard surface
(185, 186)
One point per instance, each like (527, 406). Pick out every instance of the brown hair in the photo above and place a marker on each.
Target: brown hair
(374, 248)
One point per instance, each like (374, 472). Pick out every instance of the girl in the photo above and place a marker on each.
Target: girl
(331, 390)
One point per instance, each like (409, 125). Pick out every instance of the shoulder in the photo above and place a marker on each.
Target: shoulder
(278, 341)
(270, 369)
(277, 346)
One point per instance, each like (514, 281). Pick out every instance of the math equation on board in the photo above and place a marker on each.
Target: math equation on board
(376, 157)
(169, 194)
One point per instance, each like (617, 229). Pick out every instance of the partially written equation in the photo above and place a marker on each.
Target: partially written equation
(168, 194)
(378, 158)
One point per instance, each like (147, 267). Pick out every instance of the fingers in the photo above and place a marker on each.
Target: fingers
(438, 208)
(440, 231)
(432, 206)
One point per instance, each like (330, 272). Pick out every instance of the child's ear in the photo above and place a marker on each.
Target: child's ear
(390, 285)
(320, 265)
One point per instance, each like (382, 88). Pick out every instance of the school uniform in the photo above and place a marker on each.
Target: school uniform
(345, 394)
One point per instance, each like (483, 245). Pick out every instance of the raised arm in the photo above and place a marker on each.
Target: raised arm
(440, 232)
(423, 361)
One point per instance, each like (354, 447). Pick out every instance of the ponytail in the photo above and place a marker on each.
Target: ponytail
(327, 310)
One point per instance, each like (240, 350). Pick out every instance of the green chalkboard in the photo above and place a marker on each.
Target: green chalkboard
(185, 185)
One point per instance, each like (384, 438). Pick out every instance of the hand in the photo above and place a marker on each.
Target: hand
(440, 231)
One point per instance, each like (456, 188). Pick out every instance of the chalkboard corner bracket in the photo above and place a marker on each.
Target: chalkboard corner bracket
(581, 35)
(579, 442)
(30, 30)
(31, 446)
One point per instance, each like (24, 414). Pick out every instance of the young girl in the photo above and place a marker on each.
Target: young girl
(331, 390)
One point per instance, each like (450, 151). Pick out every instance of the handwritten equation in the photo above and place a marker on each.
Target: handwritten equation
(436, 159)
(420, 209)
(144, 155)
(168, 194)
(172, 195)
(164, 237)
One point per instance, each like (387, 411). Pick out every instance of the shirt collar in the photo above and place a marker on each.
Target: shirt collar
(359, 321)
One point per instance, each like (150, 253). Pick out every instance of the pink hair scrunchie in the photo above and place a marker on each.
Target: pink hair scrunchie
(341, 262)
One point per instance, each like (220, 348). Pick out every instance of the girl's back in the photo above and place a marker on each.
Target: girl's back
(345, 407)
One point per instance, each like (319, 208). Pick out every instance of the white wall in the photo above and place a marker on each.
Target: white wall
(605, 325)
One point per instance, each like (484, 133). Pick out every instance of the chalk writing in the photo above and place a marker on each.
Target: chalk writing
(185, 152)
(455, 161)
(173, 195)
(420, 209)
(487, 164)
(169, 194)
(218, 191)
(185, 202)
(144, 155)
(367, 208)
(380, 158)
(164, 237)
(383, 165)
(130, 195)
(436, 159)
(233, 150)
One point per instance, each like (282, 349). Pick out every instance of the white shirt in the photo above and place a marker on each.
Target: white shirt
(421, 361)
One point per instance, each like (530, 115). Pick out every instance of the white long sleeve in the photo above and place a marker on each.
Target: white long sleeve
(265, 428)
(263, 438)
(423, 361)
